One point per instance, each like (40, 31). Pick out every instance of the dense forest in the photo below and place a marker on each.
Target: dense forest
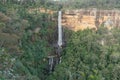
(27, 36)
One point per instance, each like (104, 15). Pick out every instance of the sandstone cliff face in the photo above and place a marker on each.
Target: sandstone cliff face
(92, 19)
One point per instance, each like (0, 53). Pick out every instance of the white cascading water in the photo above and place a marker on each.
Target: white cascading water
(51, 63)
(59, 29)
(51, 59)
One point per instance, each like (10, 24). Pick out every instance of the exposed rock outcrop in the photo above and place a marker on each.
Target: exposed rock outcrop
(90, 18)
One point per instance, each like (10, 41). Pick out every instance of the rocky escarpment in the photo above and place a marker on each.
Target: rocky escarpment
(90, 18)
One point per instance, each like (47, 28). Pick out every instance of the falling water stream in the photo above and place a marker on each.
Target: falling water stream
(53, 60)
(59, 29)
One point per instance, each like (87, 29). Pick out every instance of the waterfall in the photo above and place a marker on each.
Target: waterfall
(51, 63)
(53, 60)
(59, 29)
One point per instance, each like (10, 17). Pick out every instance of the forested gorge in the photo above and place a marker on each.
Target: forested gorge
(27, 38)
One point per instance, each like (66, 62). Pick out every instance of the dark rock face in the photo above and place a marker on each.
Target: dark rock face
(90, 18)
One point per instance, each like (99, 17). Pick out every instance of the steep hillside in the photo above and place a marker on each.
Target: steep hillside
(11, 30)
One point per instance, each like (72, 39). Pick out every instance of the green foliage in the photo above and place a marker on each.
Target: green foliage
(34, 32)
(33, 60)
(100, 4)
(33, 63)
(6, 65)
(11, 29)
(86, 59)
(89, 55)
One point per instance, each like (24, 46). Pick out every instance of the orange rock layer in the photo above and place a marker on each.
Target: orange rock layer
(92, 19)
